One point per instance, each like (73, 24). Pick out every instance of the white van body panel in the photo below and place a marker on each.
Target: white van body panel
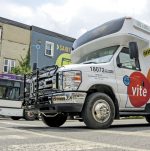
(131, 31)
(11, 112)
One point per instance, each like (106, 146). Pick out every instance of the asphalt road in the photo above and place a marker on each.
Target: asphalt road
(123, 135)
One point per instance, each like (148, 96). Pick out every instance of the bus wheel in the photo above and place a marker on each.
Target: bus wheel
(15, 117)
(147, 118)
(29, 115)
(98, 111)
(54, 121)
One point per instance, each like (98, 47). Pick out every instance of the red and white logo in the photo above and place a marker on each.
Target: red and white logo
(138, 89)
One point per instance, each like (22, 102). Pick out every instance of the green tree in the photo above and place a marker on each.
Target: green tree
(24, 65)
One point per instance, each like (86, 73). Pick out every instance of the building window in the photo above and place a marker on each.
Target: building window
(49, 48)
(9, 64)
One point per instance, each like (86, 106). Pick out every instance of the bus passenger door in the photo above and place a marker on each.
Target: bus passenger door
(125, 67)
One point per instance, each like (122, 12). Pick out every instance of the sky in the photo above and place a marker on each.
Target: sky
(73, 17)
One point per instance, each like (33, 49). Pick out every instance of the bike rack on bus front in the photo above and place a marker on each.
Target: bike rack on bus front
(37, 74)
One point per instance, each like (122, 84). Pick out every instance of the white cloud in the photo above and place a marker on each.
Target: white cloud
(60, 13)
(118, 6)
(74, 17)
(15, 11)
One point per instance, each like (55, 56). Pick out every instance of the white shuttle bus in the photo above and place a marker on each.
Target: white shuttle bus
(11, 97)
(110, 77)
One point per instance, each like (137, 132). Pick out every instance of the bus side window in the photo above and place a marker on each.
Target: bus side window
(124, 60)
(2, 92)
(12, 93)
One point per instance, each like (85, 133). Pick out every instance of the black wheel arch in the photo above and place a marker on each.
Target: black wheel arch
(107, 90)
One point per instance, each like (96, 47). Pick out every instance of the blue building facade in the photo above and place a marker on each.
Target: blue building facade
(49, 48)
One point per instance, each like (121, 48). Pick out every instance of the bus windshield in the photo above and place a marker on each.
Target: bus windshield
(99, 56)
(9, 90)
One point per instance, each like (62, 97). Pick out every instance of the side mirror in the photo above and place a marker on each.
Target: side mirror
(133, 50)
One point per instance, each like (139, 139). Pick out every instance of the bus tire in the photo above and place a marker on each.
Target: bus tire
(15, 117)
(98, 111)
(54, 121)
(29, 115)
(147, 117)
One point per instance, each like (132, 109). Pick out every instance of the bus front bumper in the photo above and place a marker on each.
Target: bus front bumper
(65, 102)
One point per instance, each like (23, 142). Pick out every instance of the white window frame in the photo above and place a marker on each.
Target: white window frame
(9, 65)
(52, 48)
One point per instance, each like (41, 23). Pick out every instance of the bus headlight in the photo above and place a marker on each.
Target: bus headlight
(71, 80)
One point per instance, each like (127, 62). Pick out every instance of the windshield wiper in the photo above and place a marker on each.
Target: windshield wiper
(90, 62)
